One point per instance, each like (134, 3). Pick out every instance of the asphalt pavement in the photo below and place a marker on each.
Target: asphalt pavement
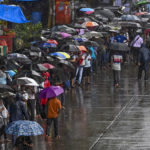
(100, 117)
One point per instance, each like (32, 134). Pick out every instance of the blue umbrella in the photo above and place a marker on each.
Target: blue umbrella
(24, 128)
(81, 39)
(47, 45)
(11, 73)
(58, 55)
(86, 9)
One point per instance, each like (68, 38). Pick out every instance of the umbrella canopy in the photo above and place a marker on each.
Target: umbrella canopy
(5, 88)
(93, 34)
(67, 63)
(51, 92)
(90, 24)
(140, 13)
(11, 73)
(61, 55)
(27, 81)
(48, 66)
(41, 67)
(19, 57)
(52, 42)
(69, 48)
(119, 47)
(47, 45)
(86, 9)
(130, 18)
(91, 43)
(24, 128)
(82, 48)
(82, 20)
(142, 2)
(105, 12)
(130, 24)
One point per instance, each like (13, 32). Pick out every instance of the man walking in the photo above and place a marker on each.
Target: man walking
(143, 62)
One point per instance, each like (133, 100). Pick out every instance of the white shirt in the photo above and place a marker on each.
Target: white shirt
(116, 59)
(88, 61)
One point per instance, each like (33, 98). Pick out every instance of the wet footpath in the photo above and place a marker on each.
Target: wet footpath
(100, 117)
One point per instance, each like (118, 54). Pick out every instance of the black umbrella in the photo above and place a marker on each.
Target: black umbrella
(69, 48)
(82, 20)
(90, 43)
(105, 12)
(119, 47)
(78, 26)
(67, 63)
(5, 88)
(130, 24)
(130, 18)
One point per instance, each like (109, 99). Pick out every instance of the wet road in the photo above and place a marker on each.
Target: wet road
(99, 117)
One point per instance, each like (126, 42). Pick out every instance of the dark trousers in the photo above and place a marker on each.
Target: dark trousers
(140, 70)
(49, 122)
(116, 76)
(135, 51)
(31, 108)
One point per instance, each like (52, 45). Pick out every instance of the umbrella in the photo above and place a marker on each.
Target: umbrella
(61, 55)
(41, 67)
(48, 66)
(5, 88)
(130, 18)
(79, 26)
(69, 48)
(91, 43)
(140, 13)
(93, 34)
(47, 45)
(81, 39)
(52, 42)
(27, 81)
(63, 28)
(82, 48)
(19, 57)
(130, 24)
(119, 47)
(142, 2)
(82, 20)
(90, 24)
(86, 9)
(51, 92)
(11, 73)
(49, 58)
(67, 63)
(65, 35)
(105, 12)
(24, 128)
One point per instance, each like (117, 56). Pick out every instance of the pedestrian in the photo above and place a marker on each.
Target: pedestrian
(4, 115)
(79, 70)
(87, 67)
(54, 107)
(116, 60)
(18, 111)
(31, 102)
(143, 62)
(4, 77)
(136, 44)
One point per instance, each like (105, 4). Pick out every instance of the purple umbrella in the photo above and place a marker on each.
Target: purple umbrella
(65, 35)
(51, 92)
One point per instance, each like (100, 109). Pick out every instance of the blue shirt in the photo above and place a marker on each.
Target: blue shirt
(120, 38)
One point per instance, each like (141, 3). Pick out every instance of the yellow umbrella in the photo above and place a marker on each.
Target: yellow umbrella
(65, 54)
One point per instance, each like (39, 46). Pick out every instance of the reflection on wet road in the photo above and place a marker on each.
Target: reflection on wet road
(99, 117)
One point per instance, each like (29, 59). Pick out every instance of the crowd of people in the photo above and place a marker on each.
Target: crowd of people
(24, 102)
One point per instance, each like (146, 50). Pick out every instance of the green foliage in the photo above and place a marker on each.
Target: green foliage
(28, 32)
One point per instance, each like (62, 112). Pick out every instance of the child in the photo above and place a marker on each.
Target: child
(54, 107)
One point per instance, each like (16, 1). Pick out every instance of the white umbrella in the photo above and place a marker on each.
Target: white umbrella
(27, 81)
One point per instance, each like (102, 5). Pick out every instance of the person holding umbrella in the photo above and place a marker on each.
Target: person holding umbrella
(54, 107)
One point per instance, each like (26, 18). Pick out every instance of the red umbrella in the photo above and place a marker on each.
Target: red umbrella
(141, 13)
(48, 66)
(52, 42)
